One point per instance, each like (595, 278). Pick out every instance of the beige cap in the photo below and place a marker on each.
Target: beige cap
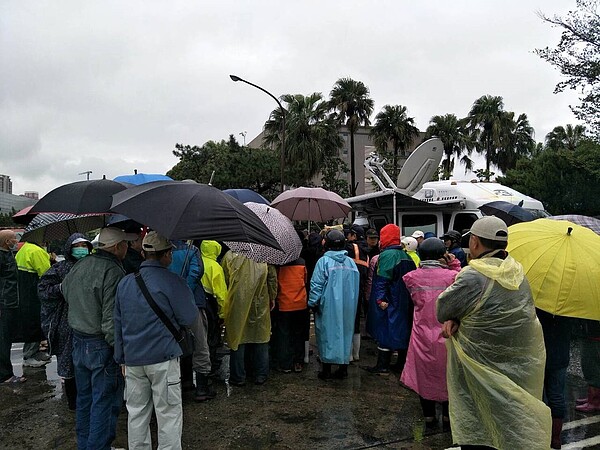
(418, 234)
(490, 227)
(154, 242)
(111, 236)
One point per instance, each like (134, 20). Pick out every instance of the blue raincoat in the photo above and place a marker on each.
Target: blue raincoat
(334, 298)
(391, 327)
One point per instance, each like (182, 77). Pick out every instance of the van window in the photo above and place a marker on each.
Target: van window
(464, 221)
(423, 222)
(379, 222)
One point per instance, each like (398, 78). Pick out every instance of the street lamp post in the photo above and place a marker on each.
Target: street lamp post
(282, 160)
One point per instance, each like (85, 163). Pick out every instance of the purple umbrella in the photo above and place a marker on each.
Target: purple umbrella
(585, 221)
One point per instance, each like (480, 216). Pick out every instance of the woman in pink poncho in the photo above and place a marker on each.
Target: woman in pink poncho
(425, 369)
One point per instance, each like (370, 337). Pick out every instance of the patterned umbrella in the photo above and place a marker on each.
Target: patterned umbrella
(47, 227)
(316, 204)
(585, 221)
(282, 229)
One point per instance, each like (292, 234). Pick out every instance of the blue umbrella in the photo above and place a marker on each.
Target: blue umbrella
(141, 178)
(247, 195)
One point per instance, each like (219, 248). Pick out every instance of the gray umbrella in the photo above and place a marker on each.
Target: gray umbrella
(282, 229)
(585, 221)
(47, 227)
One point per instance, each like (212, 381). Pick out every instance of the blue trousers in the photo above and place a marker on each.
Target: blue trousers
(257, 358)
(554, 391)
(99, 392)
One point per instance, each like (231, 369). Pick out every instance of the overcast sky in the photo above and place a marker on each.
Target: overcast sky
(112, 86)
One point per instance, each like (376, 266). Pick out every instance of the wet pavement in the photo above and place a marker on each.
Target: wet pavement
(293, 410)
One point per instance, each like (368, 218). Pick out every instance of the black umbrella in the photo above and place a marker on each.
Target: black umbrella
(508, 212)
(188, 210)
(80, 197)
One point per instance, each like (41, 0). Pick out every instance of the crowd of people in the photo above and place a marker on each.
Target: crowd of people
(138, 319)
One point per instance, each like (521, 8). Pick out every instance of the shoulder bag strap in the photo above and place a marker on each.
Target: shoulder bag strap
(159, 312)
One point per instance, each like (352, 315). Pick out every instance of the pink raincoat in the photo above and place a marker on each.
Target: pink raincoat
(425, 368)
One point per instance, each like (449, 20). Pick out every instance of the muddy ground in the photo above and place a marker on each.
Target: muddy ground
(291, 411)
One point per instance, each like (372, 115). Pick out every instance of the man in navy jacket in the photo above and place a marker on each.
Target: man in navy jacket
(147, 348)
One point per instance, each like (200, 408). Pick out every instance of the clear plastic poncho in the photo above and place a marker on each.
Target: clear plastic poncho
(495, 369)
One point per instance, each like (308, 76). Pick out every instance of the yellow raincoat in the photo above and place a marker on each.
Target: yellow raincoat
(495, 369)
(213, 279)
(252, 289)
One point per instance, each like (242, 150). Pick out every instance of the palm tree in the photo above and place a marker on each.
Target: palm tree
(311, 135)
(488, 123)
(393, 124)
(350, 99)
(567, 137)
(518, 142)
(456, 139)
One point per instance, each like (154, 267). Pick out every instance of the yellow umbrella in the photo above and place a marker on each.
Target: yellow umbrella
(562, 263)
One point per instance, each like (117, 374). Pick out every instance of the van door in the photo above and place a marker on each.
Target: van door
(426, 222)
(462, 221)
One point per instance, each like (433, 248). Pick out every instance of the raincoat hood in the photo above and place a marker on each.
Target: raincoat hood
(338, 255)
(507, 272)
(210, 249)
(389, 235)
(69, 242)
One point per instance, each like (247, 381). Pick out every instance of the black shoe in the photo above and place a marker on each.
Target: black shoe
(325, 376)
(203, 390)
(260, 381)
(340, 374)
(237, 383)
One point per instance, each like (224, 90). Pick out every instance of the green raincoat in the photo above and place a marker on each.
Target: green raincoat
(252, 288)
(495, 370)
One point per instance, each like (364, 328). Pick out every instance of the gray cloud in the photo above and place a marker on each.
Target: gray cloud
(110, 86)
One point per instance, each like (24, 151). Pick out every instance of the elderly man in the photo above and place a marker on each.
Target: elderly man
(90, 289)
(496, 352)
(147, 347)
(9, 302)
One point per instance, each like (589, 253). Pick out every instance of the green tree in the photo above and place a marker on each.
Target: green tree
(456, 138)
(311, 135)
(565, 181)
(352, 105)
(233, 166)
(518, 142)
(577, 56)
(332, 168)
(568, 137)
(392, 124)
(488, 123)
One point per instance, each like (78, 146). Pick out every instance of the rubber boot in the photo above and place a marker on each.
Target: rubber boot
(203, 390)
(556, 430)
(356, 347)
(342, 372)
(306, 352)
(582, 400)
(593, 403)
(325, 373)
(71, 393)
(398, 367)
(383, 363)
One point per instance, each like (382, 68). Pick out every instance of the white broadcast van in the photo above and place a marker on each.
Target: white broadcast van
(414, 203)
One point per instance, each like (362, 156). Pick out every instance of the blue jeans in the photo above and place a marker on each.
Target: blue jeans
(99, 392)
(257, 356)
(554, 391)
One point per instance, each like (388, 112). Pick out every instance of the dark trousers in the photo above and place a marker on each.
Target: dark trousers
(253, 356)
(213, 330)
(554, 391)
(428, 407)
(7, 317)
(292, 331)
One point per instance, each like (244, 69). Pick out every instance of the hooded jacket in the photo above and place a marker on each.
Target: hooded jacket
(334, 289)
(391, 327)
(496, 359)
(213, 279)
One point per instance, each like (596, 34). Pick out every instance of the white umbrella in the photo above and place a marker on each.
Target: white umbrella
(316, 204)
(282, 229)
